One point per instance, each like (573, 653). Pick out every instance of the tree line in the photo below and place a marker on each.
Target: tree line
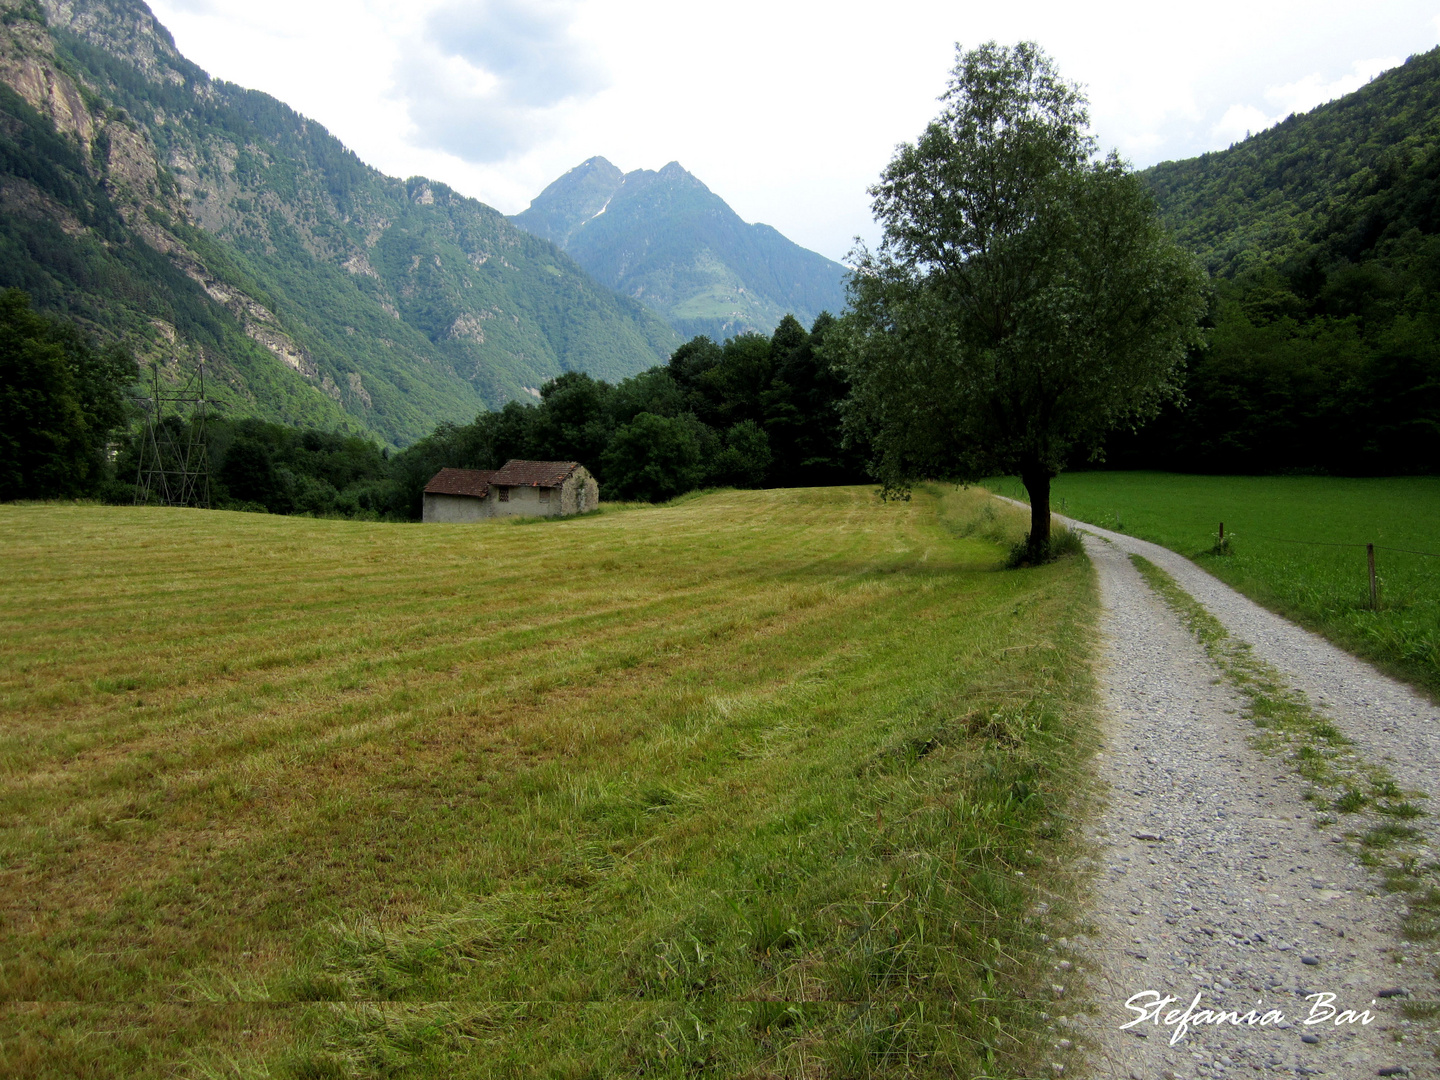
(1325, 358)
(1322, 356)
(61, 401)
(753, 411)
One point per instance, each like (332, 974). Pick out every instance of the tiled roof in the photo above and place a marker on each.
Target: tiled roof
(474, 482)
(549, 474)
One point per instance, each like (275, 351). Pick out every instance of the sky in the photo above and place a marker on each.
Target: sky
(787, 110)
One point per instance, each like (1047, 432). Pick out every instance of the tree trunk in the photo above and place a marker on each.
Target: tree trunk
(1037, 484)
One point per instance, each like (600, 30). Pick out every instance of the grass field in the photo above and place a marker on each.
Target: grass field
(755, 784)
(1323, 587)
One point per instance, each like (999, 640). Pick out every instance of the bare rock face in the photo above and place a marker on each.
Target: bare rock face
(27, 65)
(126, 29)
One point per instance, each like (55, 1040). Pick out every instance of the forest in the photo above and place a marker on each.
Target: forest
(1321, 236)
(752, 412)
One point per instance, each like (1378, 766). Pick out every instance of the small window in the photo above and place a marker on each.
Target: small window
(504, 494)
(544, 494)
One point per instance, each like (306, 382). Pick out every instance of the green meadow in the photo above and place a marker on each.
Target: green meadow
(774, 783)
(1283, 534)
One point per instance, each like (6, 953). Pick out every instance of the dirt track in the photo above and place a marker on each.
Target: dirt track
(1213, 878)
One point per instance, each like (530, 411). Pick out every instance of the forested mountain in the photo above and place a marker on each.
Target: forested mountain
(1324, 236)
(191, 218)
(1314, 173)
(667, 240)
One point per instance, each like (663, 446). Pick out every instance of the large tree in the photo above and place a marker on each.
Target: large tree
(1025, 299)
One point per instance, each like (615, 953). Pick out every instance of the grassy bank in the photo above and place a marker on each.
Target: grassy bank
(762, 783)
(1321, 586)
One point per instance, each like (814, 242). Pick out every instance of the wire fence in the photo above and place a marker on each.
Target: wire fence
(1312, 543)
(1326, 543)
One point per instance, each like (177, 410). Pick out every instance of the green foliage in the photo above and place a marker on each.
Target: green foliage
(257, 465)
(385, 306)
(60, 400)
(753, 412)
(1025, 300)
(746, 459)
(656, 457)
(1330, 171)
(1326, 316)
(248, 473)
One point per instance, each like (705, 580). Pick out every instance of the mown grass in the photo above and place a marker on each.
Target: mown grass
(759, 784)
(1325, 588)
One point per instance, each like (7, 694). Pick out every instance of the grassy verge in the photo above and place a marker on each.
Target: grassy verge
(1325, 588)
(1356, 796)
(761, 783)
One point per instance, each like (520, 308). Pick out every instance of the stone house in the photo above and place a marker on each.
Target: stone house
(518, 488)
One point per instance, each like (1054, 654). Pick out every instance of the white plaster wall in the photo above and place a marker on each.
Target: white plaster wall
(455, 509)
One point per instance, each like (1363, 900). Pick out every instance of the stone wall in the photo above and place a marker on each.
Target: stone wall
(579, 493)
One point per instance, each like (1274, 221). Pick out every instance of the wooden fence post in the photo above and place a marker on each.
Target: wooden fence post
(1374, 594)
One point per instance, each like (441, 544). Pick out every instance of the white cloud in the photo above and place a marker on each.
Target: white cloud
(483, 81)
(1239, 122)
(1302, 95)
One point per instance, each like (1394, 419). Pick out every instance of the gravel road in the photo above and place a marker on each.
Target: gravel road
(1212, 877)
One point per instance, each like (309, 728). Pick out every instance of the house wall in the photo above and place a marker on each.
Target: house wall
(579, 493)
(524, 502)
(455, 508)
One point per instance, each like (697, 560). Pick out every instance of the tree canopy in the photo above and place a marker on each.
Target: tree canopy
(1025, 299)
(1324, 234)
(60, 400)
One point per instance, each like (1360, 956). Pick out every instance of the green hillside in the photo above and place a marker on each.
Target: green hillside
(1336, 175)
(189, 217)
(1324, 238)
(667, 240)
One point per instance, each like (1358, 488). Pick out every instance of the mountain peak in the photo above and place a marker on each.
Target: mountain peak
(572, 200)
(670, 242)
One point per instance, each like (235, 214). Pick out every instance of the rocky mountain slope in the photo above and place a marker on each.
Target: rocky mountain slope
(667, 240)
(192, 218)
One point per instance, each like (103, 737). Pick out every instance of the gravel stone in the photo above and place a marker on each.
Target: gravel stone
(1228, 899)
